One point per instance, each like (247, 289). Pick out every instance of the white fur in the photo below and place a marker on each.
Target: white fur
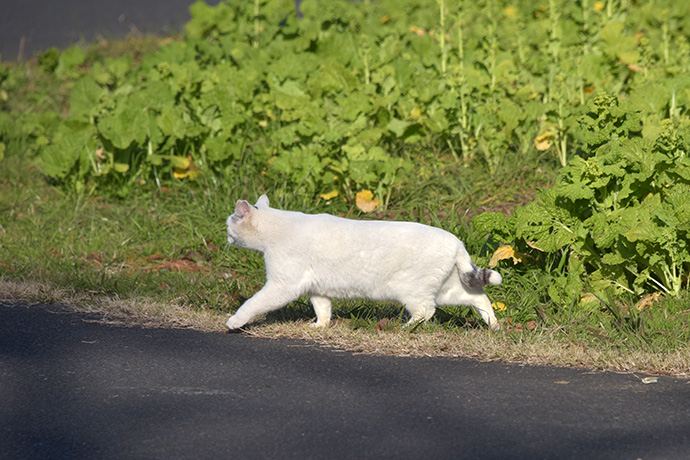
(325, 256)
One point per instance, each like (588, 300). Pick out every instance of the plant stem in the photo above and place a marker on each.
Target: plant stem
(364, 56)
(442, 35)
(492, 55)
(461, 45)
(665, 38)
(257, 24)
(462, 120)
(563, 138)
(555, 15)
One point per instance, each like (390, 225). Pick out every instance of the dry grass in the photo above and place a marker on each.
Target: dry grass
(542, 347)
(539, 347)
(129, 312)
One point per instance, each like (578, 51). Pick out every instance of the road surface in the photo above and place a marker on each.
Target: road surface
(28, 26)
(71, 388)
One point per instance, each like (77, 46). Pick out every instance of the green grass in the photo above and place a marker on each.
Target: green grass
(161, 258)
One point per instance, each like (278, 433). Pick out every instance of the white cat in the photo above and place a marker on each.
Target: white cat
(325, 256)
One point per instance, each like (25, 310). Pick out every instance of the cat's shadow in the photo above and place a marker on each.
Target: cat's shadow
(357, 313)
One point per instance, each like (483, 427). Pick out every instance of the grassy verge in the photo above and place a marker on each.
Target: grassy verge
(160, 260)
(159, 257)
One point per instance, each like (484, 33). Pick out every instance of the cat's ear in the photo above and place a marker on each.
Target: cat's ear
(243, 208)
(262, 202)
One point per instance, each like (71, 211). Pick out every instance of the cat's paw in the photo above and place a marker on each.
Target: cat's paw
(319, 325)
(234, 323)
(495, 325)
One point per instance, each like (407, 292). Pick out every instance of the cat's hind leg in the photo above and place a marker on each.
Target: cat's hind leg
(453, 292)
(482, 304)
(322, 307)
(477, 298)
(270, 297)
(420, 310)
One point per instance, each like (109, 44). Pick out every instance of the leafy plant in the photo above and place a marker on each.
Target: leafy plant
(352, 96)
(619, 220)
(607, 119)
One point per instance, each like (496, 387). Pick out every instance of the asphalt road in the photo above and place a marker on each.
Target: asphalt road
(73, 388)
(27, 26)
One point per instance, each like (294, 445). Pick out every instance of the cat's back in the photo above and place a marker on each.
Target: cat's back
(326, 230)
(386, 233)
(339, 257)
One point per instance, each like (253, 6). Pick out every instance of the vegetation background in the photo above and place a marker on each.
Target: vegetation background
(551, 137)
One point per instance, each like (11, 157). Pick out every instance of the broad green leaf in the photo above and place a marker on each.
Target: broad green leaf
(339, 47)
(389, 49)
(546, 228)
(219, 149)
(651, 98)
(353, 104)
(171, 121)
(156, 95)
(121, 167)
(494, 223)
(510, 114)
(612, 258)
(398, 126)
(70, 154)
(126, 127)
(334, 76)
(85, 99)
(69, 62)
(290, 88)
(119, 66)
(645, 230)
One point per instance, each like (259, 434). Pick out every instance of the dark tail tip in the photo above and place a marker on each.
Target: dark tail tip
(480, 277)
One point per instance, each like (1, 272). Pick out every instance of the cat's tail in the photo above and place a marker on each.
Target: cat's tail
(473, 276)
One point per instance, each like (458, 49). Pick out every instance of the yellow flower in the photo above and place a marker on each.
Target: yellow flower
(549, 135)
(365, 201)
(499, 306)
(330, 195)
(510, 11)
(599, 6)
(184, 167)
(505, 252)
(418, 30)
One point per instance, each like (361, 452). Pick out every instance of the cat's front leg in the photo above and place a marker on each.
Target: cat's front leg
(419, 310)
(235, 323)
(270, 297)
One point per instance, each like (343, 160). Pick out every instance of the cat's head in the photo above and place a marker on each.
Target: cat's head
(242, 225)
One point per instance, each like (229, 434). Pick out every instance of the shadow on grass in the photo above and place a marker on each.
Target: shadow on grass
(363, 314)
